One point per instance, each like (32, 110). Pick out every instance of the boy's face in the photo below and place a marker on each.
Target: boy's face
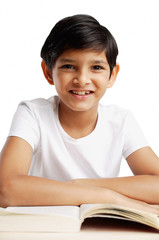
(81, 78)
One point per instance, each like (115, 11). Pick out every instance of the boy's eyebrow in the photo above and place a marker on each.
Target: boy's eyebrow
(66, 60)
(99, 62)
(62, 60)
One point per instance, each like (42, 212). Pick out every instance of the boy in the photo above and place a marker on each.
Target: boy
(67, 150)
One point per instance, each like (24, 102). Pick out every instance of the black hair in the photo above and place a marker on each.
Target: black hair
(79, 32)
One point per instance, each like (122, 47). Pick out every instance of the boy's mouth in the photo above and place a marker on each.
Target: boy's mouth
(81, 92)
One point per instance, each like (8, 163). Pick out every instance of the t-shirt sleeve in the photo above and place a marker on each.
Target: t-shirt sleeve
(25, 125)
(134, 138)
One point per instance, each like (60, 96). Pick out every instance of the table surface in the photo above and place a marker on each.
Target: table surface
(93, 229)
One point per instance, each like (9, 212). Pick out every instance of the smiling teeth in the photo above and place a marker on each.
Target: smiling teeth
(81, 92)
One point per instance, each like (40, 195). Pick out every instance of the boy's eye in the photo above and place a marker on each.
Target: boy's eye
(97, 67)
(67, 66)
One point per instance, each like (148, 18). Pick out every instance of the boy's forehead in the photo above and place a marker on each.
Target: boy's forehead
(72, 55)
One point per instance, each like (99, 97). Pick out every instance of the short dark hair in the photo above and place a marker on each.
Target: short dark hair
(79, 32)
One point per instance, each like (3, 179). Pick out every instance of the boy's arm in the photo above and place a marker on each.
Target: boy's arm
(18, 189)
(144, 186)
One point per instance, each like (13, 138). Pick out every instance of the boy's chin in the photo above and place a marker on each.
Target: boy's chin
(78, 106)
(83, 108)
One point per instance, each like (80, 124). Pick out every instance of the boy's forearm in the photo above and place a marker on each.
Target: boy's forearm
(142, 187)
(29, 190)
(35, 191)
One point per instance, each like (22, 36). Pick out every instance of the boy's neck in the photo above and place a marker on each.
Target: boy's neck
(78, 124)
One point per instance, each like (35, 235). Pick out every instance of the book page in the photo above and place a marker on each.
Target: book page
(68, 211)
(89, 209)
(108, 210)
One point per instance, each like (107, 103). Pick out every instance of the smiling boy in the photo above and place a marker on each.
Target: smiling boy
(81, 78)
(67, 150)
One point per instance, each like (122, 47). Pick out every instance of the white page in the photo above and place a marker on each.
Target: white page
(85, 208)
(71, 211)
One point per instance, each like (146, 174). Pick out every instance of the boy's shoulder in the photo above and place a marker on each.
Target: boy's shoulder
(40, 103)
(115, 116)
(112, 110)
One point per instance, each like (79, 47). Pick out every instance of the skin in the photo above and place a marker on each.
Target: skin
(75, 72)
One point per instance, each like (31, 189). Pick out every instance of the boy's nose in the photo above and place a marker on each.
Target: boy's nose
(82, 78)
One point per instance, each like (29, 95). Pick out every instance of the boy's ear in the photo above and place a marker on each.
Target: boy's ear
(113, 76)
(47, 73)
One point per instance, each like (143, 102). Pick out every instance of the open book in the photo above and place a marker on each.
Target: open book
(67, 218)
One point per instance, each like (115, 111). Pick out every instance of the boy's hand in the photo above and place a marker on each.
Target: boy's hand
(141, 187)
(113, 197)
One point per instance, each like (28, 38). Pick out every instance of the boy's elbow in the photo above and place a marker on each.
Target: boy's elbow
(6, 190)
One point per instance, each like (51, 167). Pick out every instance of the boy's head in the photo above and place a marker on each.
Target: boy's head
(79, 32)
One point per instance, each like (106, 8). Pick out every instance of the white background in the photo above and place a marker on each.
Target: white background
(24, 26)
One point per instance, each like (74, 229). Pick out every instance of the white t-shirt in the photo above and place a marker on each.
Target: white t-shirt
(58, 156)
